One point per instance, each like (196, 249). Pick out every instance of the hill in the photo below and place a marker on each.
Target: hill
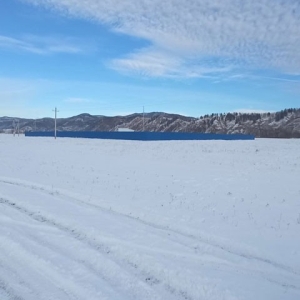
(282, 124)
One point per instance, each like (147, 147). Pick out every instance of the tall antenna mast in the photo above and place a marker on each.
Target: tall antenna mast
(55, 111)
(14, 127)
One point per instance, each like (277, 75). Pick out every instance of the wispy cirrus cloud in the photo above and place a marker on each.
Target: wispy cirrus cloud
(41, 45)
(158, 63)
(235, 34)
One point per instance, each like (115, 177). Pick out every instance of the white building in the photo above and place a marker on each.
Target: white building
(125, 130)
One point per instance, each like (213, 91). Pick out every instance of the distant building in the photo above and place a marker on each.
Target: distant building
(125, 130)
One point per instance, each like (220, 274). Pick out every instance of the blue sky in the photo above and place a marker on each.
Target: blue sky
(113, 57)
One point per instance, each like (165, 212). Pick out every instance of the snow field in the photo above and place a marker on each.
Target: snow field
(98, 219)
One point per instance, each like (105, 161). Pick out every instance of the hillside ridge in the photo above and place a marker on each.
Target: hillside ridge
(281, 124)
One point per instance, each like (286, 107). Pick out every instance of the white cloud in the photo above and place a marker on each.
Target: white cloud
(257, 34)
(158, 62)
(40, 45)
(148, 62)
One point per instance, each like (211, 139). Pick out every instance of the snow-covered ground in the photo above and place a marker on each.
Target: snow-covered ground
(98, 219)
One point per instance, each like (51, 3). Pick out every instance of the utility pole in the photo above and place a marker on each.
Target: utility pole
(143, 119)
(55, 111)
(14, 127)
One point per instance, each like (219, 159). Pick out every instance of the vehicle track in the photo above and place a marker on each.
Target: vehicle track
(157, 284)
(169, 232)
(163, 289)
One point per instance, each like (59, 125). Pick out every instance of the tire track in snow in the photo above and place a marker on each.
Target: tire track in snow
(65, 283)
(171, 235)
(16, 280)
(162, 288)
(32, 271)
(89, 258)
(6, 292)
(167, 230)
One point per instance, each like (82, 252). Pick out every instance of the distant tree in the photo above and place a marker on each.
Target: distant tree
(230, 117)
